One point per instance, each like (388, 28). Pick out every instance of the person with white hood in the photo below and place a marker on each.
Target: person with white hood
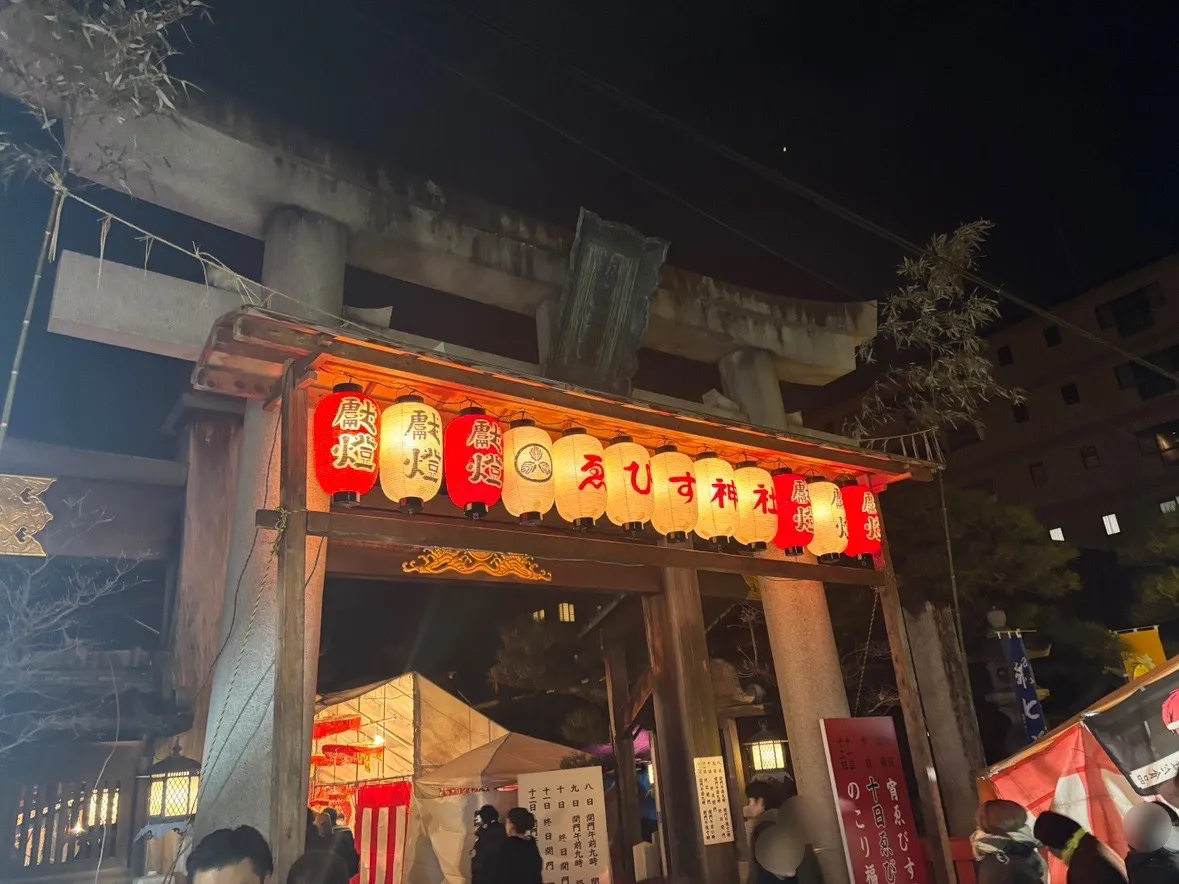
(1004, 847)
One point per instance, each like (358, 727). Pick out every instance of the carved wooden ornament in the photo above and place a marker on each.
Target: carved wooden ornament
(473, 561)
(23, 514)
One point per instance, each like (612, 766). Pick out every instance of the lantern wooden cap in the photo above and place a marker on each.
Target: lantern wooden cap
(618, 440)
(744, 464)
(409, 397)
(706, 455)
(783, 471)
(666, 449)
(573, 431)
(472, 409)
(523, 422)
(348, 387)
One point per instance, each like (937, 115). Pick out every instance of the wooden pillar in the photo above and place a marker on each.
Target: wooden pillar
(618, 697)
(685, 719)
(737, 781)
(920, 749)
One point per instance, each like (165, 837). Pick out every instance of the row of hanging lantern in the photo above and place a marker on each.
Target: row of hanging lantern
(408, 450)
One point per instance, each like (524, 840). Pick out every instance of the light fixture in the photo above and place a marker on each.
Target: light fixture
(345, 433)
(528, 472)
(674, 483)
(830, 521)
(473, 453)
(173, 785)
(579, 478)
(411, 452)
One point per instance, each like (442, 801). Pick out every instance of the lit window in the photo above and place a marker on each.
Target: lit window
(1170, 506)
(538, 616)
(565, 612)
(1111, 524)
(1056, 534)
(767, 755)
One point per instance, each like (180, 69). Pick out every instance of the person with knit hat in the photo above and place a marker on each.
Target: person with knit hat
(1088, 860)
(1004, 847)
(1151, 832)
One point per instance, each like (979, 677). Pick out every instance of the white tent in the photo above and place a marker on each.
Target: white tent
(441, 832)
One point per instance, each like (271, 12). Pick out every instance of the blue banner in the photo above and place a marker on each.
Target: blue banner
(1023, 683)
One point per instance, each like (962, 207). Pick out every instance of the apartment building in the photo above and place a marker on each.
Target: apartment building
(1094, 449)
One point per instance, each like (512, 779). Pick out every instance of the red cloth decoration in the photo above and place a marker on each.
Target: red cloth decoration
(1171, 711)
(340, 798)
(473, 461)
(329, 727)
(345, 433)
(334, 753)
(863, 520)
(796, 520)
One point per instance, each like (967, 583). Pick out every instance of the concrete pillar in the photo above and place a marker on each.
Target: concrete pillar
(810, 682)
(750, 379)
(304, 260)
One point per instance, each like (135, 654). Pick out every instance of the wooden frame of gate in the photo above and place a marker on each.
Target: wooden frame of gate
(289, 364)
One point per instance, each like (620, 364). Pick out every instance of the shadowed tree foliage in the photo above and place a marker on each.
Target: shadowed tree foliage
(1152, 560)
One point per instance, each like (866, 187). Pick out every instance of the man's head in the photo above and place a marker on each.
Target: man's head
(485, 816)
(318, 867)
(761, 795)
(520, 822)
(231, 856)
(323, 822)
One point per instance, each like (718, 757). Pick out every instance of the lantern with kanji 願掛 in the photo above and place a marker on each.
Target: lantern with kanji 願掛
(716, 499)
(796, 521)
(673, 484)
(473, 457)
(411, 452)
(345, 433)
(629, 502)
(757, 513)
(528, 471)
(830, 538)
(863, 521)
(579, 478)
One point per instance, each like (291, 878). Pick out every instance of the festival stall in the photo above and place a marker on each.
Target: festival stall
(1093, 768)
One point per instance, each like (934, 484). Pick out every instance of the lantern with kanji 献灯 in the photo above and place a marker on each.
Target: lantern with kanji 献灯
(345, 434)
(473, 457)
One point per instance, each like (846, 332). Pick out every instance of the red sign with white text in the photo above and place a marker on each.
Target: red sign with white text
(875, 813)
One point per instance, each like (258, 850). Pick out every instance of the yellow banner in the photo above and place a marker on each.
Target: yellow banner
(1142, 651)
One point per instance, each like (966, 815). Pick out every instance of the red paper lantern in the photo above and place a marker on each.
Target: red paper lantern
(796, 521)
(346, 434)
(863, 521)
(473, 461)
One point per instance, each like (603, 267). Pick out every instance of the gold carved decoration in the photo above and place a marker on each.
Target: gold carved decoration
(23, 514)
(473, 561)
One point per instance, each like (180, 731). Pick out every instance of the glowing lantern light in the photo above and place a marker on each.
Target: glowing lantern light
(796, 520)
(757, 513)
(579, 478)
(345, 431)
(716, 498)
(674, 487)
(830, 521)
(528, 471)
(411, 452)
(473, 453)
(629, 502)
(863, 521)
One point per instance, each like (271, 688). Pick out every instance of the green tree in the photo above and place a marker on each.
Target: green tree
(1152, 560)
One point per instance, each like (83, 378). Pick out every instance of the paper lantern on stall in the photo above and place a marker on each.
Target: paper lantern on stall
(629, 501)
(757, 513)
(673, 483)
(473, 457)
(796, 520)
(579, 478)
(528, 471)
(345, 433)
(863, 520)
(716, 498)
(411, 452)
(830, 538)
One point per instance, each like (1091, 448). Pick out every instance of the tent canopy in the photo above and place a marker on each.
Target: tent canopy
(497, 764)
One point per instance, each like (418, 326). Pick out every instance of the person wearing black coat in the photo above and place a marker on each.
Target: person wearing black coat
(1153, 838)
(519, 859)
(1088, 860)
(1004, 848)
(338, 839)
(489, 840)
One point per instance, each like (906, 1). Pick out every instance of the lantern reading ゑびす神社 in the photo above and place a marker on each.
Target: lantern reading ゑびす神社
(345, 432)
(411, 452)
(863, 521)
(757, 513)
(528, 471)
(830, 538)
(473, 454)
(796, 520)
(579, 478)
(716, 498)
(629, 502)
(673, 483)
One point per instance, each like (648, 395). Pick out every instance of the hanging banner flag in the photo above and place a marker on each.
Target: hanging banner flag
(1140, 733)
(1142, 650)
(1023, 683)
(875, 813)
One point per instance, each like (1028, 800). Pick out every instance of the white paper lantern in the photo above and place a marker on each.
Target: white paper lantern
(757, 514)
(629, 501)
(528, 471)
(716, 498)
(410, 452)
(830, 520)
(579, 478)
(674, 487)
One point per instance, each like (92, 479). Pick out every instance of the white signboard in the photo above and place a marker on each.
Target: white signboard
(570, 809)
(713, 794)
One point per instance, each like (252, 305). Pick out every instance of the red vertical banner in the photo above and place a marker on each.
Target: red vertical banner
(875, 813)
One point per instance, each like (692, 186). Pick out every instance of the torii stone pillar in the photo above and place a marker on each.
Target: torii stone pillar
(303, 259)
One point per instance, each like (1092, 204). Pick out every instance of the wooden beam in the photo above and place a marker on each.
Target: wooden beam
(24, 457)
(639, 695)
(395, 529)
(617, 690)
(920, 747)
(288, 805)
(735, 771)
(110, 520)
